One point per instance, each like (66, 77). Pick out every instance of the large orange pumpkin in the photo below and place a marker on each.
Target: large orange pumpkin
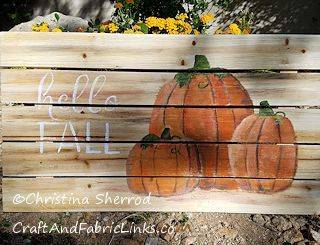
(153, 162)
(272, 161)
(198, 95)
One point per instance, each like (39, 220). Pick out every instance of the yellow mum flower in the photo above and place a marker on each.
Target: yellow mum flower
(34, 27)
(161, 23)
(205, 19)
(103, 27)
(138, 32)
(42, 27)
(182, 16)
(136, 27)
(196, 32)
(246, 30)
(118, 5)
(187, 28)
(130, 1)
(233, 26)
(129, 31)
(219, 32)
(151, 21)
(112, 27)
(56, 30)
(234, 29)
(171, 26)
(44, 24)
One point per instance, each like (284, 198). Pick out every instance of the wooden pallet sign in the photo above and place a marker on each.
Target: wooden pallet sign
(115, 122)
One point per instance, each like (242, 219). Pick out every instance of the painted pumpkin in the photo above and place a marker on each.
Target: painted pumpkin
(273, 159)
(203, 122)
(153, 162)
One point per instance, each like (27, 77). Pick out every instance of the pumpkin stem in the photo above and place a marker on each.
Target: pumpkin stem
(265, 109)
(201, 62)
(166, 135)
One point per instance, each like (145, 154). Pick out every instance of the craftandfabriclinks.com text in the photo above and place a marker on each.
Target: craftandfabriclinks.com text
(83, 227)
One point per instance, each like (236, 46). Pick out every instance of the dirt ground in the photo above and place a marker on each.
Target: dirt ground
(189, 228)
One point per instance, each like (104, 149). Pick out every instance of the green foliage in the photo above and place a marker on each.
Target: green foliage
(94, 24)
(140, 217)
(184, 219)
(15, 11)
(141, 9)
(246, 19)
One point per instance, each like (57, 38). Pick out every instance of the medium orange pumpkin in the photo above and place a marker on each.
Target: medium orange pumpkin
(273, 160)
(207, 91)
(153, 162)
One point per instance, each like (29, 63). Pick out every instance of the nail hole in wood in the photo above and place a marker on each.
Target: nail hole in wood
(308, 188)
(84, 55)
(182, 62)
(194, 43)
(287, 41)
(303, 51)
(89, 185)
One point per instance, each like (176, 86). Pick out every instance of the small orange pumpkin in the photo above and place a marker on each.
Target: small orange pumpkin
(207, 122)
(160, 167)
(272, 161)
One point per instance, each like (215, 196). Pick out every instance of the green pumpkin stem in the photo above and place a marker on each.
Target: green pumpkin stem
(201, 63)
(266, 110)
(166, 135)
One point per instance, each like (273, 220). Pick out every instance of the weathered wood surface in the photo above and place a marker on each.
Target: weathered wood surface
(24, 159)
(141, 88)
(123, 101)
(124, 123)
(96, 50)
(302, 198)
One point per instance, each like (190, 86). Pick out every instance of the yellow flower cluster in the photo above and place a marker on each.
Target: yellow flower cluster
(109, 27)
(176, 25)
(182, 16)
(56, 30)
(42, 27)
(205, 19)
(130, 31)
(234, 29)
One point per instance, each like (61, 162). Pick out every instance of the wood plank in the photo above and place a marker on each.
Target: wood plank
(24, 159)
(96, 50)
(303, 197)
(141, 88)
(125, 123)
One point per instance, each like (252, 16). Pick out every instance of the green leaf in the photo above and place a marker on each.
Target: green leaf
(166, 135)
(149, 137)
(97, 21)
(144, 28)
(183, 78)
(57, 16)
(222, 75)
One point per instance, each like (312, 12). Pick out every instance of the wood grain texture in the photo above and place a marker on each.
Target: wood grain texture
(24, 159)
(125, 123)
(96, 50)
(302, 198)
(141, 88)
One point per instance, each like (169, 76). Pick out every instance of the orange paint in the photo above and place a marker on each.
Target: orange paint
(272, 160)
